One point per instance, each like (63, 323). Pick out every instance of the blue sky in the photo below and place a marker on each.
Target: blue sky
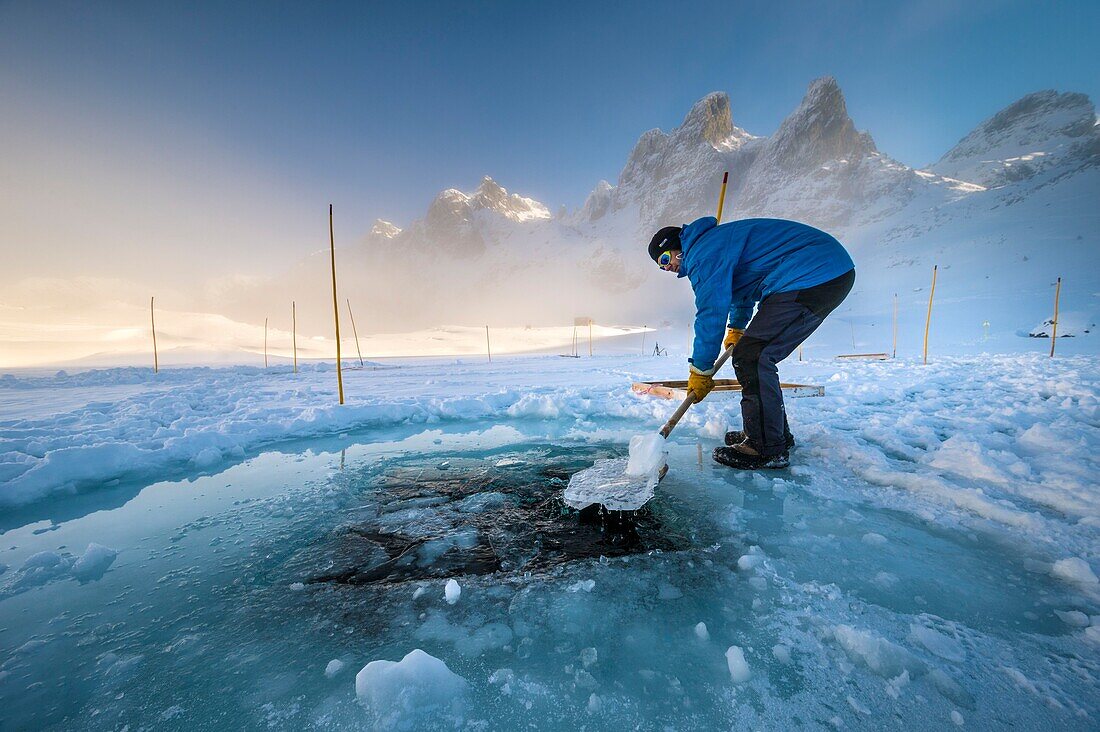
(246, 111)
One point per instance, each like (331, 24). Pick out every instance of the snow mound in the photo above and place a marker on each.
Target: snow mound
(411, 693)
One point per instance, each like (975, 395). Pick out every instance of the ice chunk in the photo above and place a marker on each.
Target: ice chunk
(411, 693)
(701, 632)
(606, 483)
(94, 563)
(956, 718)
(749, 561)
(585, 586)
(588, 656)
(452, 591)
(938, 643)
(739, 667)
(782, 653)
(647, 455)
(1074, 569)
(874, 539)
(878, 654)
(334, 667)
(1076, 618)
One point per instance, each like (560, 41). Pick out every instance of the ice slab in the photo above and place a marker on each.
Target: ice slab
(608, 484)
(647, 454)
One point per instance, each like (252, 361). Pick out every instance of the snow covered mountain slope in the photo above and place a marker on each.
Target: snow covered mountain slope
(1043, 131)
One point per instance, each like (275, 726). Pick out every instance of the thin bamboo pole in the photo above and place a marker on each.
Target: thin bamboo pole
(928, 320)
(153, 323)
(265, 343)
(335, 305)
(488, 348)
(643, 339)
(355, 333)
(1054, 327)
(590, 337)
(294, 332)
(895, 353)
(799, 351)
(722, 195)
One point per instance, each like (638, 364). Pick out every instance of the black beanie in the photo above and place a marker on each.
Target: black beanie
(665, 239)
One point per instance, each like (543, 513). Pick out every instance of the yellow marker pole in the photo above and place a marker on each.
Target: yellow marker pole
(153, 323)
(895, 326)
(294, 333)
(335, 304)
(488, 348)
(928, 320)
(355, 333)
(1054, 329)
(265, 343)
(722, 196)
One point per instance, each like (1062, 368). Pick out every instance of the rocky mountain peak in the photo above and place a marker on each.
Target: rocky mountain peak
(384, 229)
(597, 203)
(709, 120)
(819, 130)
(490, 194)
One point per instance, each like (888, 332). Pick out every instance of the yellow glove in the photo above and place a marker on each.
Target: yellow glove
(700, 383)
(732, 336)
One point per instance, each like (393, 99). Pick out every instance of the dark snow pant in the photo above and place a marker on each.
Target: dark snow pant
(782, 322)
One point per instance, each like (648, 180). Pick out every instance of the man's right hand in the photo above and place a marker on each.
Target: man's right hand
(732, 336)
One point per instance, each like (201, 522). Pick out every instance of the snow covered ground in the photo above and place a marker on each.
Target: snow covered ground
(169, 543)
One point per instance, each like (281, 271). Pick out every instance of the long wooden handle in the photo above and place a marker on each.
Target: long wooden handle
(682, 409)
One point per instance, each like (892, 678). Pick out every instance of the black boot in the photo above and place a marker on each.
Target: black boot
(736, 437)
(744, 460)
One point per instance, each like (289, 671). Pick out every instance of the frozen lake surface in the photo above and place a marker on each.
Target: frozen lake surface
(922, 565)
(231, 594)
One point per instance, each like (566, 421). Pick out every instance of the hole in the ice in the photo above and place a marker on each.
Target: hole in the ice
(476, 516)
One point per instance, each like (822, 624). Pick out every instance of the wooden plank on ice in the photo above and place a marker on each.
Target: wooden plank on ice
(677, 389)
(868, 356)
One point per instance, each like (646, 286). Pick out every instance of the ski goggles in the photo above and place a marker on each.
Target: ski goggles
(665, 259)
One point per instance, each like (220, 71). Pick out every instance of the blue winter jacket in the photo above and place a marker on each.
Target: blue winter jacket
(736, 265)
